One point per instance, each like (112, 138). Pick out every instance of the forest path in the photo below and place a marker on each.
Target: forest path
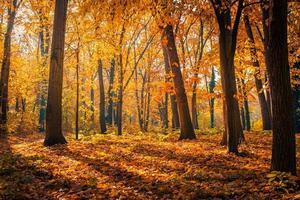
(148, 166)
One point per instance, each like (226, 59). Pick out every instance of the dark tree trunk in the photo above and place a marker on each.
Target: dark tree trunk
(44, 48)
(92, 96)
(296, 98)
(23, 101)
(110, 93)
(147, 103)
(6, 67)
(227, 45)
(212, 85)
(174, 109)
(77, 96)
(194, 110)
(243, 118)
(186, 126)
(54, 133)
(283, 146)
(102, 99)
(166, 113)
(120, 98)
(246, 106)
(265, 24)
(120, 85)
(247, 114)
(265, 113)
(17, 106)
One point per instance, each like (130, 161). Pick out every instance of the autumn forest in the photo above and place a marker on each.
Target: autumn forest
(149, 99)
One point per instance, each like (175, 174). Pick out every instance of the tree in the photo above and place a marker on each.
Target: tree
(212, 85)
(110, 93)
(283, 144)
(54, 133)
(264, 109)
(174, 109)
(5, 69)
(227, 45)
(102, 99)
(186, 126)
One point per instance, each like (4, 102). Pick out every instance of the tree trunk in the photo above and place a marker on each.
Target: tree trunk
(166, 113)
(147, 105)
(102, 99)
(227, 45)
(92, 97)
(194, 109)
(265, 113)
(246, 107)
(77, 96)
(6, 67)
(44, 48)
(212, 85)
(174, 109)
(120, 97)
(186, 126)
(296, 98)
(110, 93)
(283, 145)
(224, 141)
(265, 23)
(54, 133)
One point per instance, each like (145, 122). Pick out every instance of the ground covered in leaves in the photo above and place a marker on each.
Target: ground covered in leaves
(143, 166)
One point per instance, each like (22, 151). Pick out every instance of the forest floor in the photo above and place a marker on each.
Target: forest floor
(142, 166)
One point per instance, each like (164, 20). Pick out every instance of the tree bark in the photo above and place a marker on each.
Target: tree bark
(265, 113)
(186, 126)
(77, 95)
(283, 144)
(265, 24)
(296, 98)
(212, 85)
(102, 99)
(174, 109)
(111, 93)
(227, 45)
(54, 133)
(44, 50)
(5, 69)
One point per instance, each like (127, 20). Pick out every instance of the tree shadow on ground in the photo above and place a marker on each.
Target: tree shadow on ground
(21, 179)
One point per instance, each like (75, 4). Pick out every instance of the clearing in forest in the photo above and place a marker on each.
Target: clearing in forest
(149, 166)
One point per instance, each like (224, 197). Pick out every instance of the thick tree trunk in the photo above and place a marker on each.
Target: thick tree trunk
(265, 113)
(283, 145)
(227, 45)
(174, 109)
(296, 98)
(5, 69)
(186, 126)
(110, 93)
(102, 99)
(54, 133)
